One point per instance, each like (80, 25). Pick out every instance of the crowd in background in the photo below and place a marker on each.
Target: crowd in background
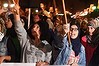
(48, 40)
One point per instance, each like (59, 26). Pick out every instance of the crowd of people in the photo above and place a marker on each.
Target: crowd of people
(48, 40)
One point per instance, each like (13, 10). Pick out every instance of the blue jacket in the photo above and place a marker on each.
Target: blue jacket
(3, 46)
(63, 57)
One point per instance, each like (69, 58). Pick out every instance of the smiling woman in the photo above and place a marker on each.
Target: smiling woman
(72, 54)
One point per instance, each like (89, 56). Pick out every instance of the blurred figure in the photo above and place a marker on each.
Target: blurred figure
(83, 29)
(43, 11)
(58, 40)
(51, 10)
(3, 41)
(50, 23)
(57, 22)
(3, 49)
(13, 45)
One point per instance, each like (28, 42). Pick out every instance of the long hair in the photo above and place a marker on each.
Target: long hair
(95, 38)
(3, 29)
(11, 31)
(29, 30)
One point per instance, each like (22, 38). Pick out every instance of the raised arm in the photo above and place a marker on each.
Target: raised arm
(21, 32)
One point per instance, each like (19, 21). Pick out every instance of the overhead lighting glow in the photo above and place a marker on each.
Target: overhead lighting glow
(94, 7)
(36, 10)
(12, 5)
(5, 5)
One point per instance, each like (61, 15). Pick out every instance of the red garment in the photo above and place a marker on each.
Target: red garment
(88, 49)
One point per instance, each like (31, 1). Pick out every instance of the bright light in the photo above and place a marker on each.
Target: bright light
(83, 13)
(36, 10)
(94, 7)
(5, 5)
(48, 12)
(12, 5)
(60, 14)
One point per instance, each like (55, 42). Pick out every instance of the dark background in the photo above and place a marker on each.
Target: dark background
(71, 5)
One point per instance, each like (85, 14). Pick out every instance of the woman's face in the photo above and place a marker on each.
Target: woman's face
(36, 18)
(41, 5)
(91, 30)
(36, 30)
(8, 23)
(74, 31)
(84, 25)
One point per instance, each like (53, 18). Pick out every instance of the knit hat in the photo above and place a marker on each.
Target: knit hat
(94, 23)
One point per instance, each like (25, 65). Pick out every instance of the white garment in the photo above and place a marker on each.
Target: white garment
(1, 36)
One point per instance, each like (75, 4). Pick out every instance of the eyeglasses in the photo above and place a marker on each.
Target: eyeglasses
(75, 29)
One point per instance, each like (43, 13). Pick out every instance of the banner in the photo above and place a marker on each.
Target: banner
(17, 64)
(25, 64)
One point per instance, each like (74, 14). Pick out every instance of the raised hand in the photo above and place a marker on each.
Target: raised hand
(66, 28)
(17, 7)
(42, 64)
(16, 10)
(2, 58)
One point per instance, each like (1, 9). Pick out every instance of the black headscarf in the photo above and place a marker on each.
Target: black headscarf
(76, 45)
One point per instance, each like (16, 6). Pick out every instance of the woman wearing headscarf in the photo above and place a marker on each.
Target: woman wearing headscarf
(72, 54)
